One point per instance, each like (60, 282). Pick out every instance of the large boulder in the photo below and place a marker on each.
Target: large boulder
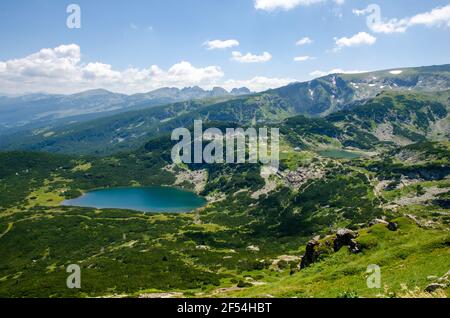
(346, 237)
(317, 248)
(311, 254)
(392, 226)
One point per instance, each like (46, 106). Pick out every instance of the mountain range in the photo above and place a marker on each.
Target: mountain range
(317, 98)
(36, 110)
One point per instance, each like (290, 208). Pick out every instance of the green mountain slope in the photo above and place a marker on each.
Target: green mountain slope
(316, 98)
(387, 120)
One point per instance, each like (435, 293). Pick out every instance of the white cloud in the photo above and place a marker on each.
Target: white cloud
(437, 17)
(219, 44)
(304, 41)
(391, 26)
(49, 63)
(96, 71)
(362, 38)
(251, 58)
(334, 71)
(270, 5)
(258, 83)
(60, 70)
(303, 58)
(396, 72)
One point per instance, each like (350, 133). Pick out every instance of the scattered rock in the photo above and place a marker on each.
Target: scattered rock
(299, 177)
(197, 178)
(203, 247)
(434, 287)
(253, 248)
(445, 279)
(429, 195)
(270, 183)
(427, 224)
(284, 259)
(378, 221)
(440, 283)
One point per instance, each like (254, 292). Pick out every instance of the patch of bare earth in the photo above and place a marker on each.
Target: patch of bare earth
(385, 132)
(302, 175)
(197, 178)
(430, 194)
(269, 186)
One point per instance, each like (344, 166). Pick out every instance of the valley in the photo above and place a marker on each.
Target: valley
(374, 162)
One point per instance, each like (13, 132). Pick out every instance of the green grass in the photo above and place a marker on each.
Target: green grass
(126, 253)
(406, 257)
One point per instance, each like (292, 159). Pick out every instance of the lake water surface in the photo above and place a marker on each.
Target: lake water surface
(149, 199)
(338, 154)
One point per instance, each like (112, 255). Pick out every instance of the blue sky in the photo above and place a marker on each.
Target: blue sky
(139, 45)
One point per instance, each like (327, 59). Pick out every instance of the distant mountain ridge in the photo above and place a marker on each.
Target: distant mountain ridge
(43, 109)
(334, 92)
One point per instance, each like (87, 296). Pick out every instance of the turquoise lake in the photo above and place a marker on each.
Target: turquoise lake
(338, 154)
(150, 199)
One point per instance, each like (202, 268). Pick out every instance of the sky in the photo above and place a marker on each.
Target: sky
(136, 46)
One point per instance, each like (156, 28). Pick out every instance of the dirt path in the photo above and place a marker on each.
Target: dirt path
(9, 228)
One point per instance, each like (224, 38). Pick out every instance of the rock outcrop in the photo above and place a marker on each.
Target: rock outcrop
(311, 254)
(316, 247)
(345, 237)
(440, 283)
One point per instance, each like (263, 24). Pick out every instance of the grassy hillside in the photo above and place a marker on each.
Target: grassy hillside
(410, 259)
(248, 241)
(317, 98)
